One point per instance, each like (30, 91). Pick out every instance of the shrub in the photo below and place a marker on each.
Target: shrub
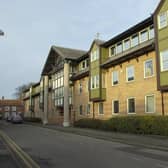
(33, 119)
(154, 125)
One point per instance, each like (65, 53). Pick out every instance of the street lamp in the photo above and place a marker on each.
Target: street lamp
(1, 33)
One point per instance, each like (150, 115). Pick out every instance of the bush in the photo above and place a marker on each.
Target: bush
(33, 119)
(154, 125)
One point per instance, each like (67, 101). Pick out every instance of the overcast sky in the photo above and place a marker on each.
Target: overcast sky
(32, 26)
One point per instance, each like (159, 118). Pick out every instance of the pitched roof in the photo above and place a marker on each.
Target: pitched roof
(10, 102)
(65, 53)
(130, 31)
(69, 53)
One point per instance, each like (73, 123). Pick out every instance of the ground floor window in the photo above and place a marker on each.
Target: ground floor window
(88, 108)
(100, 108)
(81, 110)
(149, 104)
(131, 105)
(115, 106)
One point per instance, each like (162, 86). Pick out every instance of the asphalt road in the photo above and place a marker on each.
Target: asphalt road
(54, 149)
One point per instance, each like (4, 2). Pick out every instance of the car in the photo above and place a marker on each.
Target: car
(17, 119)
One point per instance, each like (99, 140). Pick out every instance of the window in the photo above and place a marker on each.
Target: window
(149, 103)
(131, 105)
(127, 44)
(164, 60)
(13, 108)
(95, 82)
(130, 73)
(95, 55)
(115, 107)
(112, 51)
(143, 36)
(134, 40)
(7, 108)
(114, 78)
(81, 110)
(119, 48)
(151, 32)
(148, 68)
(162, 20)
(101, 108)
(88, 108)
(80, 88)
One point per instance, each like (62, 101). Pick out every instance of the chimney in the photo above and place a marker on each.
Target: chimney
(3, 97)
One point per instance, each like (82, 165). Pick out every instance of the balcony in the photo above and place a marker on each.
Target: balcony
(98, 94)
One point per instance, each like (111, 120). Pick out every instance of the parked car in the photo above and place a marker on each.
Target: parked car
(17, 119)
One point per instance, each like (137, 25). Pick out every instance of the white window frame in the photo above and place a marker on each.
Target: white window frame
(136, 34)
(128, 39)
(145, 68)
(140, 37)
(113, 107)
(127, 73)
(161, 61)
(121, 45)
(163, 26)
(153, 104)
(113, 78)
(128, 105)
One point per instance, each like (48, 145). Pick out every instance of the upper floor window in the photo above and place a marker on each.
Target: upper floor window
(95, 82)
(148, 68)
(134, 40)
(130, 73)
(7, 108)
(127, 44)
(162, 20)
(119, 48)
(95, 55)
(164, 60)
(144, 36)
(115, 78)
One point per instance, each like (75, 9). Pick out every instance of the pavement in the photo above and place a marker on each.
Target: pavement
(146, 141)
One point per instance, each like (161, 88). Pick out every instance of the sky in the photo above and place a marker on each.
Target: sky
(31, 27)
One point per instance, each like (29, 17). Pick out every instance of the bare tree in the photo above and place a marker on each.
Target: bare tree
(19, 90)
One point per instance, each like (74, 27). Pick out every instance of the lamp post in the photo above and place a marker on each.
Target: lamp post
(1, 33)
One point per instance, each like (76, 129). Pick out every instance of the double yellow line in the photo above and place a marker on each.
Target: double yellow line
(23, 156)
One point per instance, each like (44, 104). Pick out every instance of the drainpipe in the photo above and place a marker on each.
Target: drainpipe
(93, 110)
(163, 112)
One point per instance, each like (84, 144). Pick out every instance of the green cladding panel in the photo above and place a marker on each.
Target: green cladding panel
(162, 43)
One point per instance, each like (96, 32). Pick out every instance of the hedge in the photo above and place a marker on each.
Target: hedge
(33, 119)
(154, 125)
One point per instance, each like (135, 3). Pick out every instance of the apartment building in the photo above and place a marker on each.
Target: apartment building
(127, 75)
(10, 106)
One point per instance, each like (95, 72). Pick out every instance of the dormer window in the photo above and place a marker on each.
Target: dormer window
(144, 36)
(119, 48)
(134, 40)
(127, 44)
(112, 51)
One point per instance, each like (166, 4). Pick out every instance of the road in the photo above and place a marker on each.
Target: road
(54, 149)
